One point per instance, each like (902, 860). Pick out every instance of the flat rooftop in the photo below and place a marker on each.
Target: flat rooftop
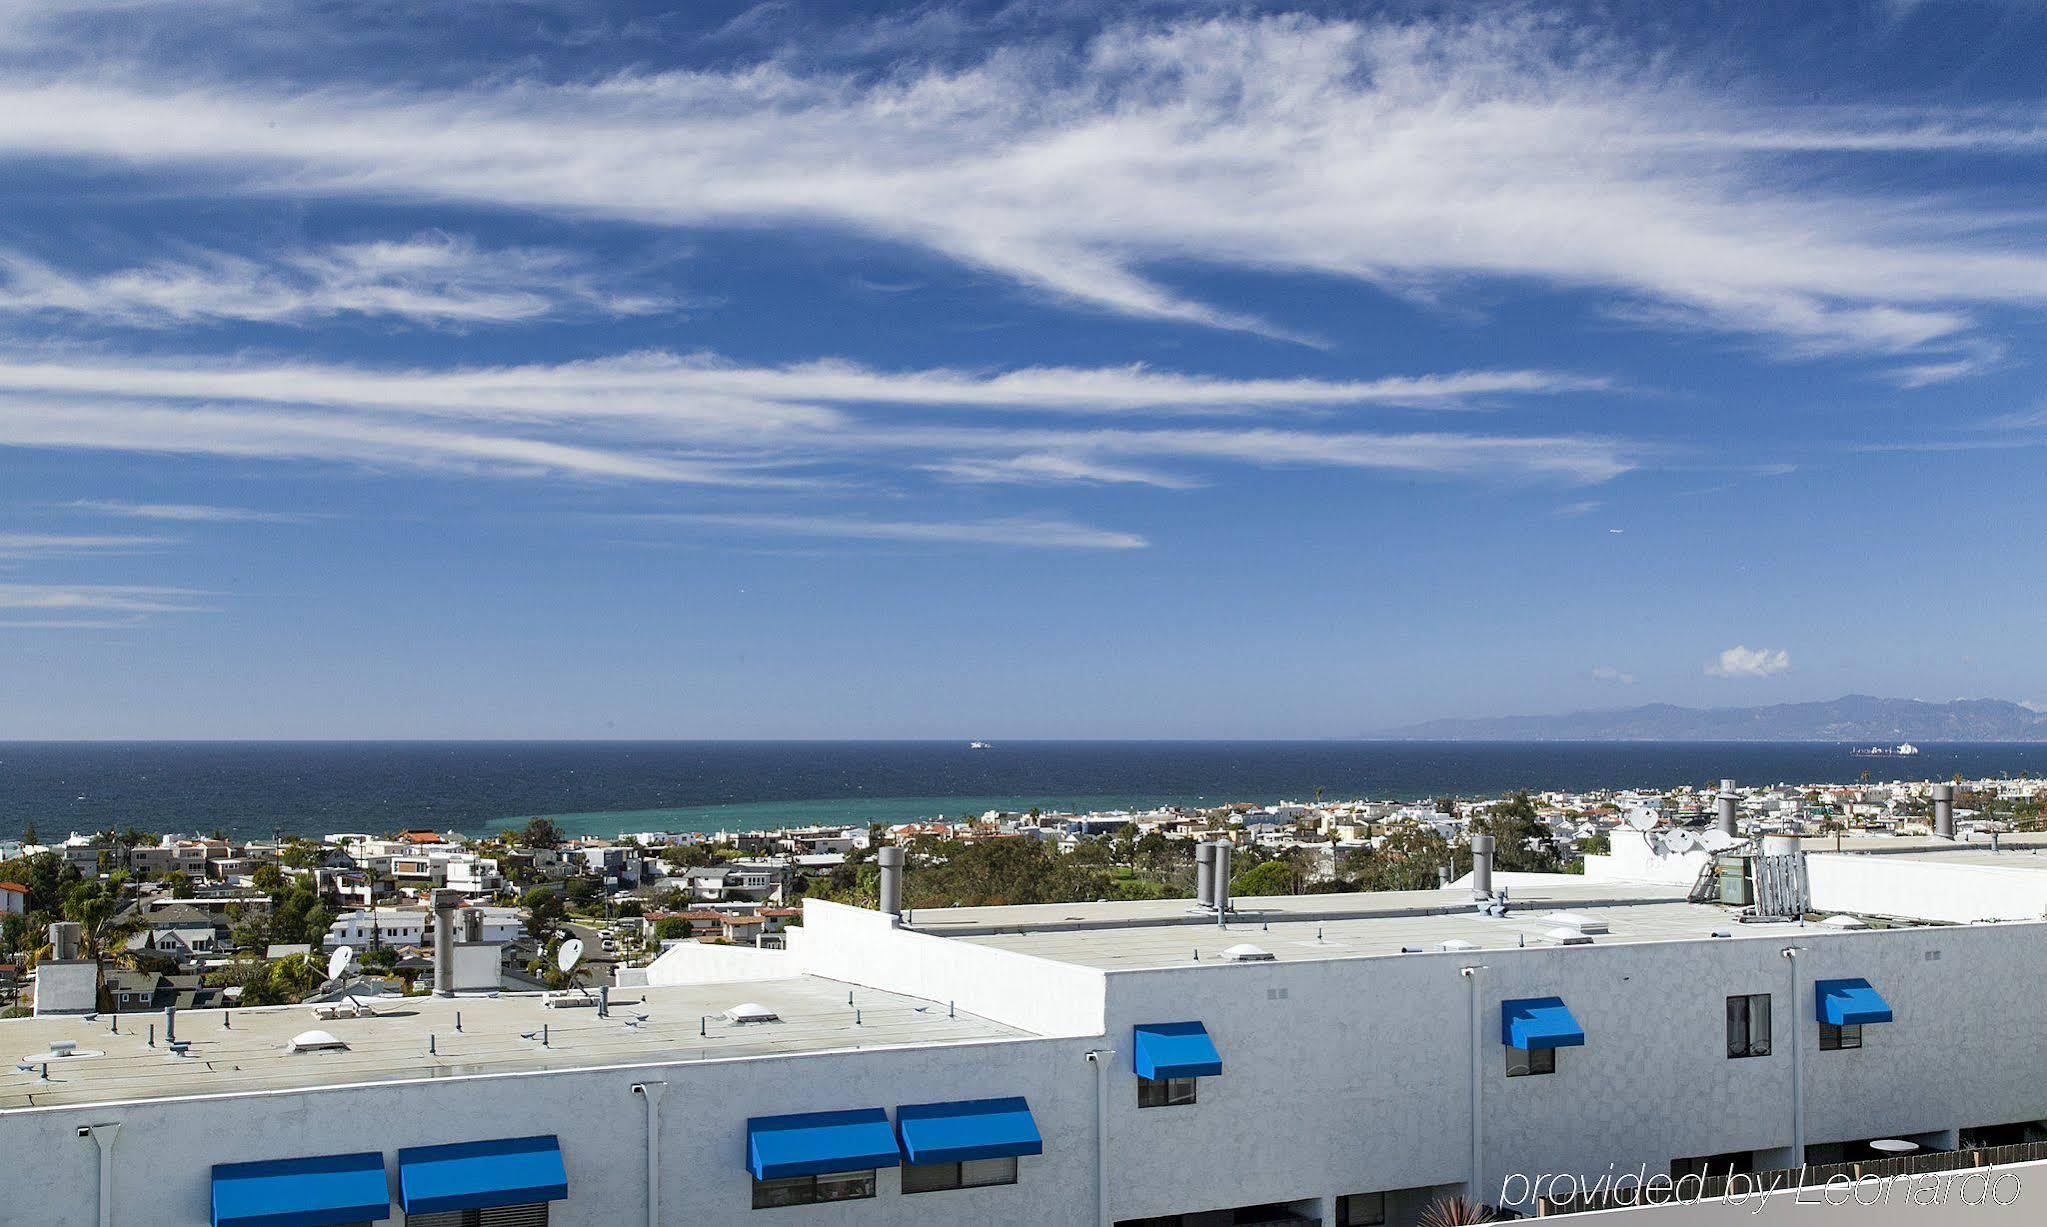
(1165, 933)
(238, 1051)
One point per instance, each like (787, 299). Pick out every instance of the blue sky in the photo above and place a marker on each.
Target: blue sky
(593, 369)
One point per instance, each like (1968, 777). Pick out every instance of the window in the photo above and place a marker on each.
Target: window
(1748, 1025)
(810, 1190)
(1525, 1062)
(1833, 1037)
(1164, 1092)
(972, 1174)
(532, 1215)
(1360, 1210)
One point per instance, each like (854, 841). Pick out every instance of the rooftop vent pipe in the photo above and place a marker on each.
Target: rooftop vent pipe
(890, 858)
(447, 903)
(1482, 866)
(1944, 810)
(1222, 879)
(472, 926)
(1727, 799)
(1204, 873)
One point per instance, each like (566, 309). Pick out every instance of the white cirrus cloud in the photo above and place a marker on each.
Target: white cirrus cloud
(1022, 532)
(1410, 154)
(72, 545)
(183, 513)
(433, 279)
(103, 598)
(1744, 661)
(702, 420)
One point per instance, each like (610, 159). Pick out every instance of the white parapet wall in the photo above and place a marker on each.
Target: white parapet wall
(701, 963)
(860, 946)
(1634, 858)
(1923, 888)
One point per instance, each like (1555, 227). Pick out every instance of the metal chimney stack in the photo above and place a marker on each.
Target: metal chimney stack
(64, 941)
(1482, 866)
(447, 905)
(1729, 825)
(472, 925)
(1220, 891)
(890, 858)
(1204, 873)
(1944, 810)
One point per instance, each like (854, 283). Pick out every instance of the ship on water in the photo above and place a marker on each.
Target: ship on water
(1903, 749)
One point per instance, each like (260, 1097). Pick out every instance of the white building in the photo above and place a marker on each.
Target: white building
(1331, 1059)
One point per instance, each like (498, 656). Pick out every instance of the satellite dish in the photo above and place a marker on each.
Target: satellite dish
(338, 962)
(1682, 841)
(570, 954)
(1642, 819)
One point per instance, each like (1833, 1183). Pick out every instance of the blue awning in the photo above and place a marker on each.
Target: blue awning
(1175, 1050)
(1539, 1022)
(812, 1143)
(1847, 1003)
(314, 1192)
(480, 1175)
(970, 1129)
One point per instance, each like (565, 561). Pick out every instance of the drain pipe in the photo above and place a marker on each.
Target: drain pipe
(1791, 954)
(1475, 1192)
(103, 1136)
(1100, 1058)
(651, 1092)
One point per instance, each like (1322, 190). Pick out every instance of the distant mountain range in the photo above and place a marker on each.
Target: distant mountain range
(1854, 718)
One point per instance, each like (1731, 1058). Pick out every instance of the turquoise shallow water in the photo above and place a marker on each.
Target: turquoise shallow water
(255, 788)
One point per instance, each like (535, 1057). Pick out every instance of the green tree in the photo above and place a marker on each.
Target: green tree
(1274, 877)
(1410, 857)
(542, 833)
(1521, 842)
(544, 911)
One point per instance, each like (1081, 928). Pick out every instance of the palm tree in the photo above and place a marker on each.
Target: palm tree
(1454, 1212)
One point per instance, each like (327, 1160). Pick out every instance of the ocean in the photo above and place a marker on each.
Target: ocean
(311, 788)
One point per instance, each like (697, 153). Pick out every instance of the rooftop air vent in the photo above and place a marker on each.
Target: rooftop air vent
(751, 1012)
(1575, 920)
(1247, 953)
(1564, 935)
(316, 1041)
(1845, 922)
(1458, 943)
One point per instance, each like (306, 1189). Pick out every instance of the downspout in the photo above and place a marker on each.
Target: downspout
(1100, 1058)
(1476, 1190)
(651, 1092)
(1791, 954)
(104, 1136)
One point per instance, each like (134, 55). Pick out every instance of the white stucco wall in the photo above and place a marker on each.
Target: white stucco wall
(697, 963)
(863, 947)
(1924, 888)
(165, 1150)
